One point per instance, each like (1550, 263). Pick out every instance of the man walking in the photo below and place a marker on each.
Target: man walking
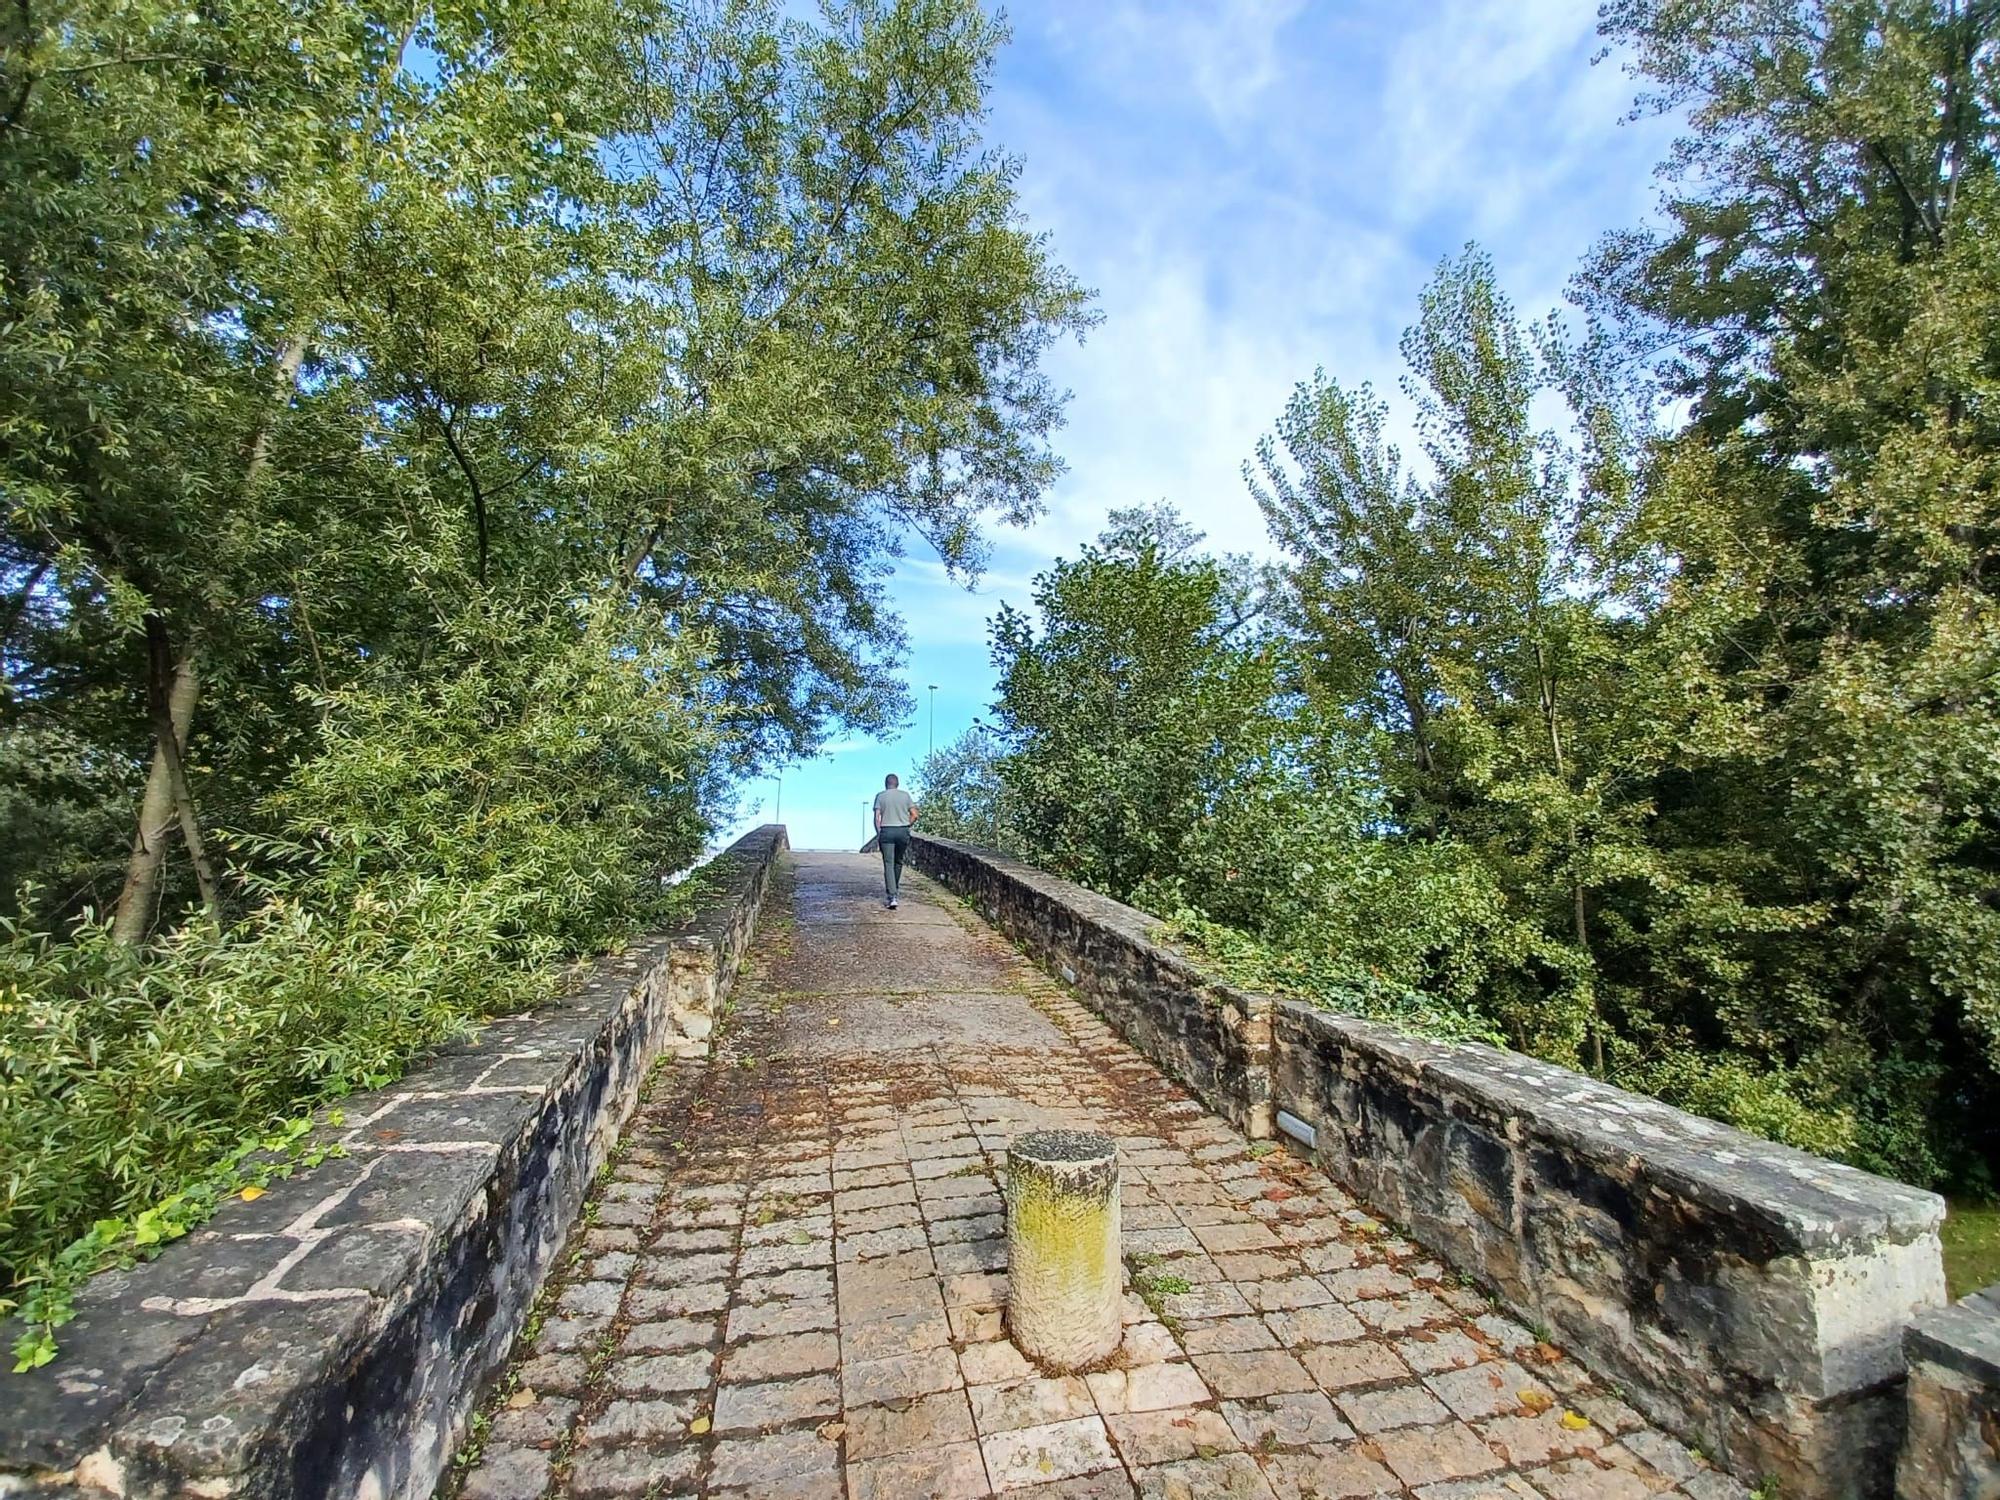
(895, 816)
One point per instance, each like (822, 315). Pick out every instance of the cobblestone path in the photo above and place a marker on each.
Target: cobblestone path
(792, 1282)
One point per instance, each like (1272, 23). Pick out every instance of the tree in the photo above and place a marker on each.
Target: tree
(961, 794)
(1824, 302)
(703, 303)
(1128, 714)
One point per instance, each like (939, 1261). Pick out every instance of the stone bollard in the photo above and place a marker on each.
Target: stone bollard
(1065, 1287)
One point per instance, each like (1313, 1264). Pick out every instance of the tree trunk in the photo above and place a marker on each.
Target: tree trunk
(163, 672)
(158, 811)
(167, 802)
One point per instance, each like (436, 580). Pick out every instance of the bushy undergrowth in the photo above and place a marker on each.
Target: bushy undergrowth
(1254, 964)
(1772, 1103)
(456, 837)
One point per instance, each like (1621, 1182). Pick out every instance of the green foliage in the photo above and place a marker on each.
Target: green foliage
(1327, 978)
(960, 791)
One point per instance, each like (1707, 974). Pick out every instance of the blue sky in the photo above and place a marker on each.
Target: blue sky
(1254, 188)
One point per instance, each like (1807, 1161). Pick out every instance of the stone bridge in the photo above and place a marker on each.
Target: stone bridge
(781, 1273)
(799, 1251)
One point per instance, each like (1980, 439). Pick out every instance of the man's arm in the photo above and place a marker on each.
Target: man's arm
(914, 810)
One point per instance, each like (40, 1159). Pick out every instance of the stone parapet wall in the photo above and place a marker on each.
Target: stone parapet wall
(1952, 1451)
(1749, 1297)
(1212, 1038)
(331, 1337)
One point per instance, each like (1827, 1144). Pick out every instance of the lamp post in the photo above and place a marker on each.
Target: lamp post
(933, 749)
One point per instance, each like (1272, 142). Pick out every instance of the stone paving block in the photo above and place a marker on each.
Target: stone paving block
(1490, 1487)
(1033, 1402)
(880, 1221)
(1260, 1265)
(1151, 1387)
(932, 1421)
(780, 1355)
(512, 1474)
(602, 1473)
(973, 1325)
(1147, 1343)
(543, 1421)
(797, 1487)
(1449, 1450)
(756, 1463)
(781, 1317)
(953, 1471)
(1435, 1350)
(1217, 1301)
(807, 1282)
(654, 1304)
(1227, 1335)
(903, 1377)
(1338, 1471)
(1401, 1313)
(775, 1403)
(591, 1299)
(1036, 1455)
(1170, 1434)
(971, 1257)
(1227, 1476)
(1265, 1372)
(1378, 1410)
(1487, 1390)
(670, 1334)
(562, 1374)
(1599, 1476)
(1336, 1367)
(993, 1362)
(1104, 1484)
(653, 1374)
(1290, 1420)
(1525, 1440)
(884, 1338)
(758, 1260)
(627, 1421)
(1290, 1292)
(1327, 1323)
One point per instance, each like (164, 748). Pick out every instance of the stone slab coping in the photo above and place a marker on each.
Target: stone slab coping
(1964, 1337)
(338, 1326)
(1803, 1202)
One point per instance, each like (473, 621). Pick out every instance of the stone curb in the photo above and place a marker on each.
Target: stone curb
(331, 1337)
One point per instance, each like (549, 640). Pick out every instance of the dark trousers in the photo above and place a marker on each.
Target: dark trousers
(895, 849)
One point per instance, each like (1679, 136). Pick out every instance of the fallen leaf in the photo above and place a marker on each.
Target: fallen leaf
(251, 1194)
(832, 1431)
(1536, 1401)
(521, 1399)
(1575, 1421)
(698, 1426)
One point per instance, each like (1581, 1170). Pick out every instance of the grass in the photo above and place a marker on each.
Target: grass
(1971, 1245)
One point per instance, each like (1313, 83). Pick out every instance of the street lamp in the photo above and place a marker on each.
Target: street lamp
(933, 750)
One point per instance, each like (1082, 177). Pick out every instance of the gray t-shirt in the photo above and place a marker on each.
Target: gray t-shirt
(894, 808)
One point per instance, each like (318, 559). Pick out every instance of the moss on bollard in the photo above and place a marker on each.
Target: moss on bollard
(1065, 1287)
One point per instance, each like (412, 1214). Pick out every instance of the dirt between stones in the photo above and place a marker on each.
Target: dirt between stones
(791, 1282)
